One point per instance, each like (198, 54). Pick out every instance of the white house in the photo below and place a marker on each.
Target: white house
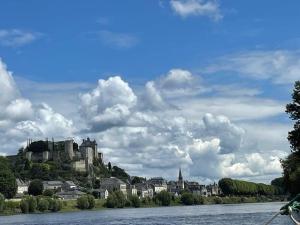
(22, 186)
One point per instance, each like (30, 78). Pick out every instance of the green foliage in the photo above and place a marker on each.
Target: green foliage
(38, 146)
(35, 187)
(55, 205)
(187, 198)
(43, 205)
(40, 171)
(12, 206)
(119, 173)
(2, 200)
(8, 185)
(163, 198)
(48, 192)
(91, 201)
(116, 199)
(136, 180)
(239, 187)
(24, 206)
(135, 201)
(291, 165)
(83, 202)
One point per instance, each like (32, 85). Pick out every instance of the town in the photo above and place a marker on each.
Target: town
(82, 160)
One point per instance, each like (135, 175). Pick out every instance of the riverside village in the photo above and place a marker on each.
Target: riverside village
(51, 175)
(71, 170)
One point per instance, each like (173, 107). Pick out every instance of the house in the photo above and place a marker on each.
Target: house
(69, 185)
(22, 186)
(213, 189)
(131, 190)
(158, 184)
(101, 193)
(55, 185)
(73, 194)
(196, 188)
(113, 184)
(144, 190)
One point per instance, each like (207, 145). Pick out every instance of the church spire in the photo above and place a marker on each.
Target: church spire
(180, 175)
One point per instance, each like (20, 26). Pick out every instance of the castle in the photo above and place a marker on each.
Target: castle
(80, 157)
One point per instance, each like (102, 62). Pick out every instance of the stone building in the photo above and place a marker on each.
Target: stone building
(81, 158)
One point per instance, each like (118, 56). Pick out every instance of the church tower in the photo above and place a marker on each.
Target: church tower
(180, 180)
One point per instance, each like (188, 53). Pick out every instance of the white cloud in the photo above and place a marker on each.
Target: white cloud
(109, 104)
(280, 66)
(119, 40)
(209, 8)
(17, 38)
(20, 119)
(154, 130)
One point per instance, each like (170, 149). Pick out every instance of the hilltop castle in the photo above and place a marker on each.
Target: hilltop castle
(80, 157)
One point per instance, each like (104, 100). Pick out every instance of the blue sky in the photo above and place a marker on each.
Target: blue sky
(194, 60)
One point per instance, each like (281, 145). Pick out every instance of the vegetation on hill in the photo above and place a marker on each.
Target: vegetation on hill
(291, 165)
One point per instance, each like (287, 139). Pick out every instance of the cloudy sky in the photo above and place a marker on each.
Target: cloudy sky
(161, 84)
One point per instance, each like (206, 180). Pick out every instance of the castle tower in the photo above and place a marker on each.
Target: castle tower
(180, 180)
(69, 148)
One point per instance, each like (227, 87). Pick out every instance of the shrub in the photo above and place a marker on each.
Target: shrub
(163, 198)
(12, 205)
(218, 200)
(32, 203)
(2, 201)
(111, 201)
(35, 187)
(43, 205)
(135, 201)
(91, 201)
(48, 193)
(83, 202)
(24, 206)
(56, 205)
(187, 198)
(8, 185)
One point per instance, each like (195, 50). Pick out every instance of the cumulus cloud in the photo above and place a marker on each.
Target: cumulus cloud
(209, 8)
(152, 130)
(280, 66)
(108, 105)
(20, 119)
(17, 38)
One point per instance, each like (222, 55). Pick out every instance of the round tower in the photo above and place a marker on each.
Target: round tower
(69, 148)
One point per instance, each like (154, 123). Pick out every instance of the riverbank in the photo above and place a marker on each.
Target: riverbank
(13, 207)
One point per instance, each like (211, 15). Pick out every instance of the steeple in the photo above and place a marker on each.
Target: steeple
(180, 175)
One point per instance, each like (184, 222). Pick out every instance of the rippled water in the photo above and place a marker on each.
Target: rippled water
(256, 213)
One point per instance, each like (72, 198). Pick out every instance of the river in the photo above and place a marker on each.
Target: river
(233, 214)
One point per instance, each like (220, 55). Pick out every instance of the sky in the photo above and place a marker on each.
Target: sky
(160, 84)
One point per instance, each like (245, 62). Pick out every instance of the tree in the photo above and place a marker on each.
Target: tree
(91, 201)
(135, 201)
(83, 202)
(35, 187)
(109, 166)
(164, 198)
(8, 184)
(291, 165)
(187, 198)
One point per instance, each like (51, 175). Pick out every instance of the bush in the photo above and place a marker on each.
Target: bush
(43, 205)
(83, 202)
(35, 187)
(48, 193)
(91, 201)
(187, 199)
(2, 201)
(135, 201)
(24, 206)
(111, 201)
(163, 198)
(32, 203)
(12, 206)
(218, 200)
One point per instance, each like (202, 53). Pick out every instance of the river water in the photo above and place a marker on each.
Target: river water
(233, 214)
